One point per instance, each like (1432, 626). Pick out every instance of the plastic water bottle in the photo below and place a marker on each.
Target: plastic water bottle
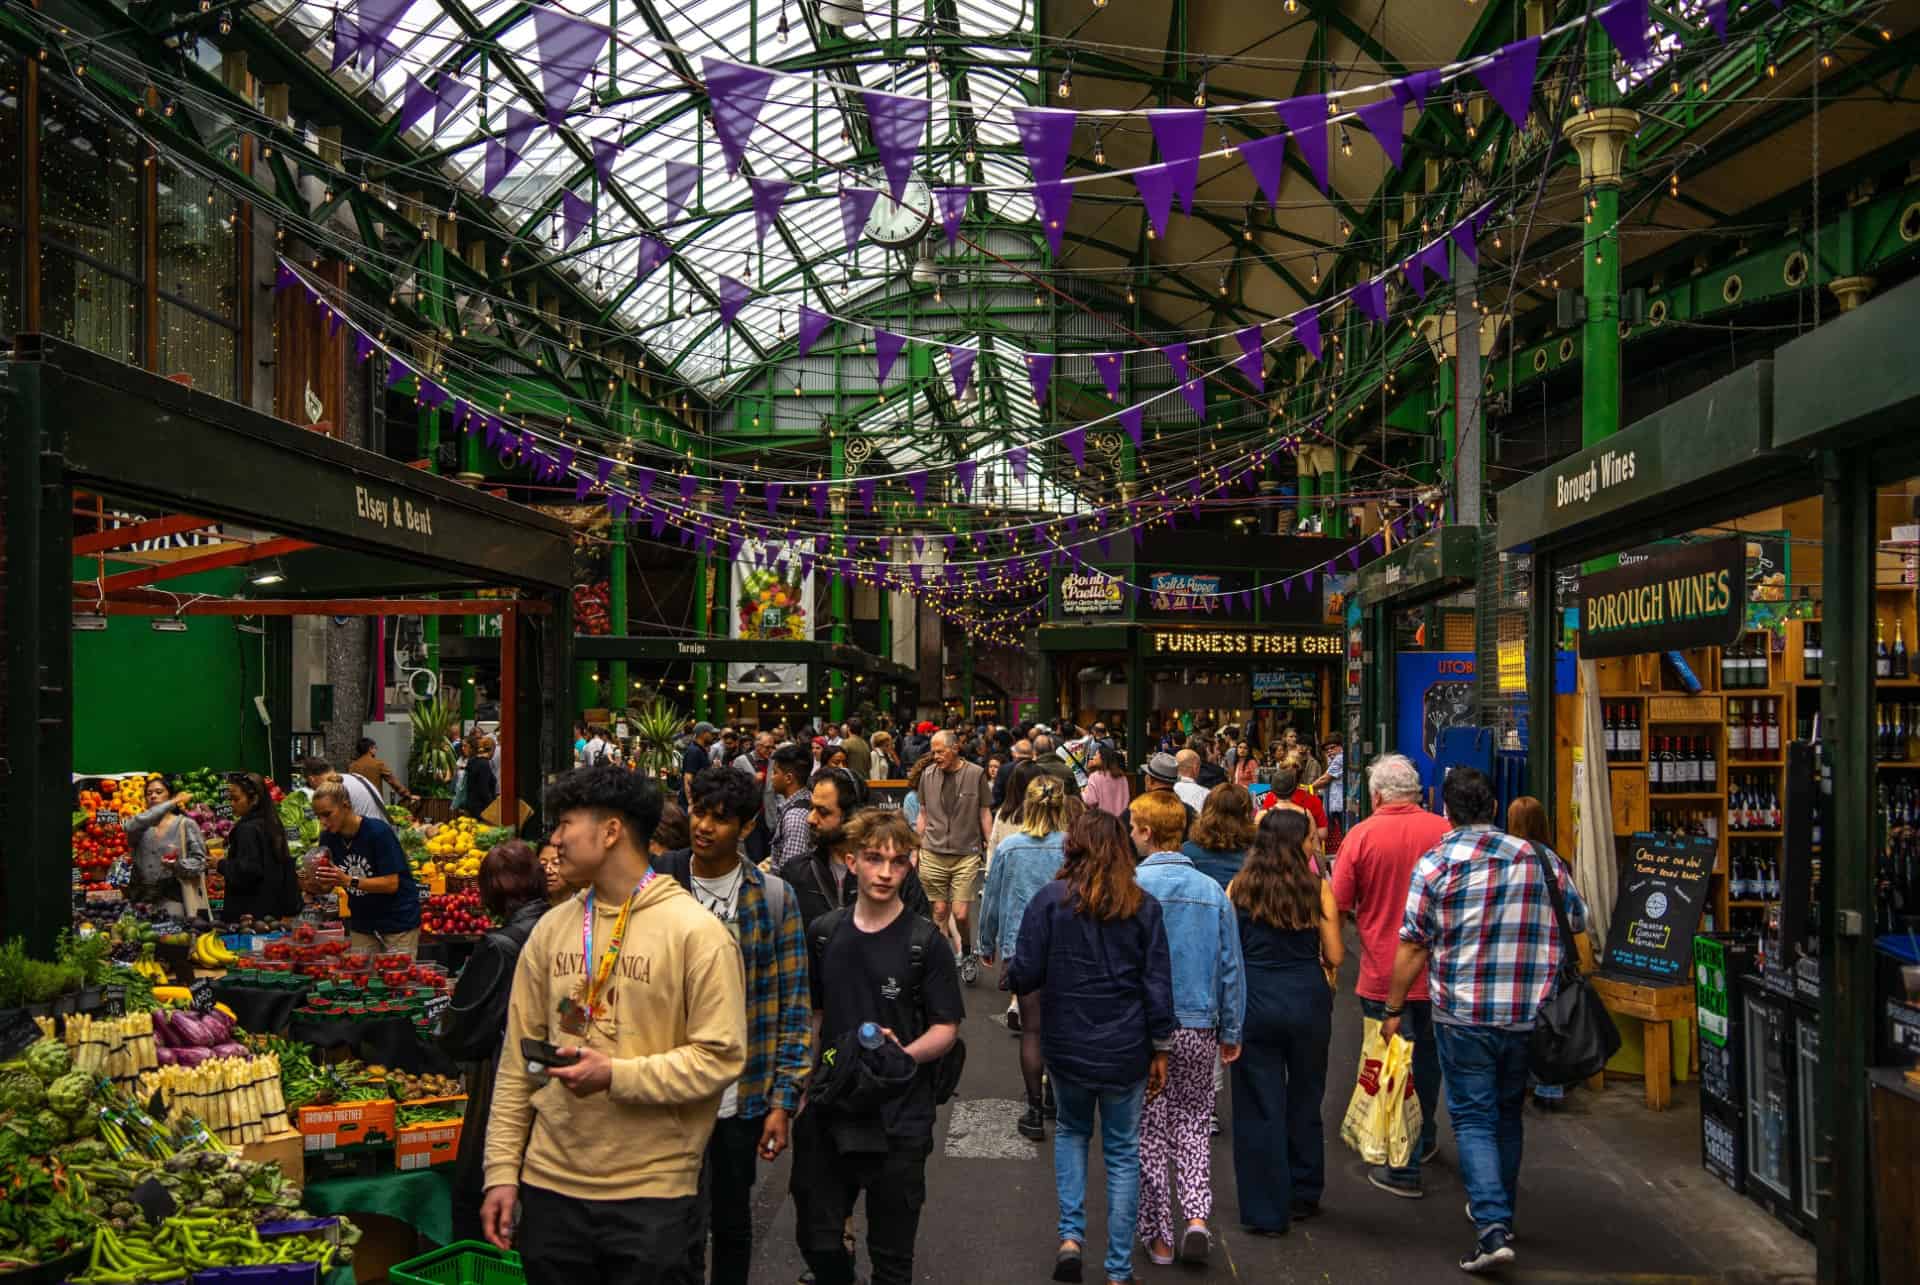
(869, 1036)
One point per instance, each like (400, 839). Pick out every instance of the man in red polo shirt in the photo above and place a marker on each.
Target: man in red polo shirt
(1370, 881)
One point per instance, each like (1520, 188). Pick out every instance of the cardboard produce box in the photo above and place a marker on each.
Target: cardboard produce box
(347, 1124)
(433, 1142)
(288, 1150)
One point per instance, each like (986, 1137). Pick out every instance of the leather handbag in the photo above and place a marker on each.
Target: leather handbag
(1573, 1034)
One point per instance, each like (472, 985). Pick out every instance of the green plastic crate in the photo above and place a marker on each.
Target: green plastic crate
(465, 1262)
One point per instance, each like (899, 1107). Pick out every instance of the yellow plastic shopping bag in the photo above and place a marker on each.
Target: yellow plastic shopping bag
(1383, 1116)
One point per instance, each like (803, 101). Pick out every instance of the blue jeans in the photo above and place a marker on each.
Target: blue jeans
(1416, 1024)
(1486, 1070)
(1119, 1148)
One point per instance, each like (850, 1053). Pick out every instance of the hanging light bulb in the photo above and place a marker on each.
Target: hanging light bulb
(1573, 98)
(1826, 59)
(1705, 83)
(1099, 151)
(1346, 228)
(1773, 65)
(1065, 89)
(1200, 91)
(1315, 279)
(1292, 6)
(1346, 142)
(1223, 285)
(1460, 104)
(781, 31)
(1129, 294)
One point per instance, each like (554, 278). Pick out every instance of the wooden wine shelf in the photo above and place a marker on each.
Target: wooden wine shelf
(1756, 834)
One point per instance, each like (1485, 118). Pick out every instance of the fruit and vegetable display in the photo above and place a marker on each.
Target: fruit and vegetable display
(238, 1097)
(183, 1038)
(114, 1048)
(454, 914)
(88, 1170)
(772, 604)
(305, 1082)
(454, 848)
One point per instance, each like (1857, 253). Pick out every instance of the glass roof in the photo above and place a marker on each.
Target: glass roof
(646, 98)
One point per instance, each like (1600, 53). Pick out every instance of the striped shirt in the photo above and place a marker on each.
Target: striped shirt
(1478, 903)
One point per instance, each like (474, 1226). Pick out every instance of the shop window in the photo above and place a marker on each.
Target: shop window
(92, 196)
(198, 278)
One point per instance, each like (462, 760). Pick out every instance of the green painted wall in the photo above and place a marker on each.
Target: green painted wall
(146, 701)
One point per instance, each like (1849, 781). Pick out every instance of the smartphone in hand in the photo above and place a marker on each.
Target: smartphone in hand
(541, 1054)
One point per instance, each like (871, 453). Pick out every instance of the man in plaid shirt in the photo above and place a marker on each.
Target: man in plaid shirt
(764, 917)
(1479, 919)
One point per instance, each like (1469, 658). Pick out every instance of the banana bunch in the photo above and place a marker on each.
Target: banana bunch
(210, 952)
(149, 967)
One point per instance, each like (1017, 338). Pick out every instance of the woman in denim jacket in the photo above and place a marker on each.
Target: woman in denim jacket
(1023, 863)
(1209, 1004)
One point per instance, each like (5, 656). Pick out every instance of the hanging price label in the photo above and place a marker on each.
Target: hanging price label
(201, 993)
(113, 1000)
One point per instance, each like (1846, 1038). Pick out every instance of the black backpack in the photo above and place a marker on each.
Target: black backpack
(947, 1071)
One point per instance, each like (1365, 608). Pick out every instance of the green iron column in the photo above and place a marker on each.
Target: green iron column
(1599, 133)
(884, 697)
(837, 593)
(618, 684)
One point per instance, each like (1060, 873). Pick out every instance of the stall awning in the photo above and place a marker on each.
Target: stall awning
(1430, 566)
(147, 440)
(1657, 476)
(1852, 378)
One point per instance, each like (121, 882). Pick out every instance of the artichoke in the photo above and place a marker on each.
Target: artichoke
(52, 1126)
(87, 1126)
(49, 1060)
(21, 1093)
(68, 1095)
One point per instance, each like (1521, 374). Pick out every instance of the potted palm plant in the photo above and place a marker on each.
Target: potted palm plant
(654, 730)
(436, 722)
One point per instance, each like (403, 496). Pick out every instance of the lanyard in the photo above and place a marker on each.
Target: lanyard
(599, 973)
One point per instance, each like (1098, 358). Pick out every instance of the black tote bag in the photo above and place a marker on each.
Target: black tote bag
(1573, 1034)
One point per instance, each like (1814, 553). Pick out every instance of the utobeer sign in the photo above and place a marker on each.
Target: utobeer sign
(1683, 595)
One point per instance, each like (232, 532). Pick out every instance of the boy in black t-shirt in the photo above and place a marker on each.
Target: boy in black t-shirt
(864, 967)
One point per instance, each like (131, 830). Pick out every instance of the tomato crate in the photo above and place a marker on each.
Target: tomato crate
(347, 1124)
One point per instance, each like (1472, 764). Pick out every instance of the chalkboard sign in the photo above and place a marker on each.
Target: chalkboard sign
(18, 1033)
(113, 1000)
(1663, 889)
(201, 993)
(433, 1008)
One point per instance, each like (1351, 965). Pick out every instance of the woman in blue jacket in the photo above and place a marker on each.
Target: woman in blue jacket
(1025, 862)
(1209, 1004)
(1097, 945)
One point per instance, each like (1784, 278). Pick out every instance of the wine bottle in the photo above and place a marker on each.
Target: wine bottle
(1736, 730)
(1810, 650)
(1756, 729)
(1612, 735)
(1655, 782)
(1709, 768)
(1882, 658)
(1632, 746)
(1773, 726)
(1899, 663)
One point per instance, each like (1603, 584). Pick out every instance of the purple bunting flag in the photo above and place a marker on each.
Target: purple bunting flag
(581, 485)
(688, 485)
(1053, 200)
(769, 194)
(1386, 121)
(656, 521)
(865, 489)
(498, 162)
(1130, 420)
(1156, 193)
(1412, 90)
(1109, 365)
(1266, 161)
(653, 253)
(1370, 296)
(1306, 120)
(1509, 78)
(1716, 17)
(917, 484)
(397, 370)
(1625, 22)
(964, 473)
(284, 276)
(1075, 442)
(1416, 274)
(618, 505)
(774, 490)
(1196, 396)
(1040, 375)
(414, 104)
(1434, 259)
(603, 472)
(1180, 133)
(1176, 355)
(1463, 237)
(856, 205)
(1046, 135)
(1306, 328)
(960, 362)
(379, 19)
(681, 176)
(812, 326)
(734, 294)
(568, 50)
(896, 124)
(951, 205)
(346, 39)
(886, 350)
(605, 152)
(575, 214)
(449, 96)
(1252, 360)
(1017, 458)
(821, 499)
(737, 94)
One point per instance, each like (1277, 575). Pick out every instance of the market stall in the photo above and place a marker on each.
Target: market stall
(1737, 575)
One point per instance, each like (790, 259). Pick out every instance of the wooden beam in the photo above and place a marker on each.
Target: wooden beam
(121, 537)
(192, 566)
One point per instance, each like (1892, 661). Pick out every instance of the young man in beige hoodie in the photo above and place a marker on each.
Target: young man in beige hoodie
(641, 990)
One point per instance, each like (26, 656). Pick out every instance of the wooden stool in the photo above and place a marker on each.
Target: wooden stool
(1656, 1007)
